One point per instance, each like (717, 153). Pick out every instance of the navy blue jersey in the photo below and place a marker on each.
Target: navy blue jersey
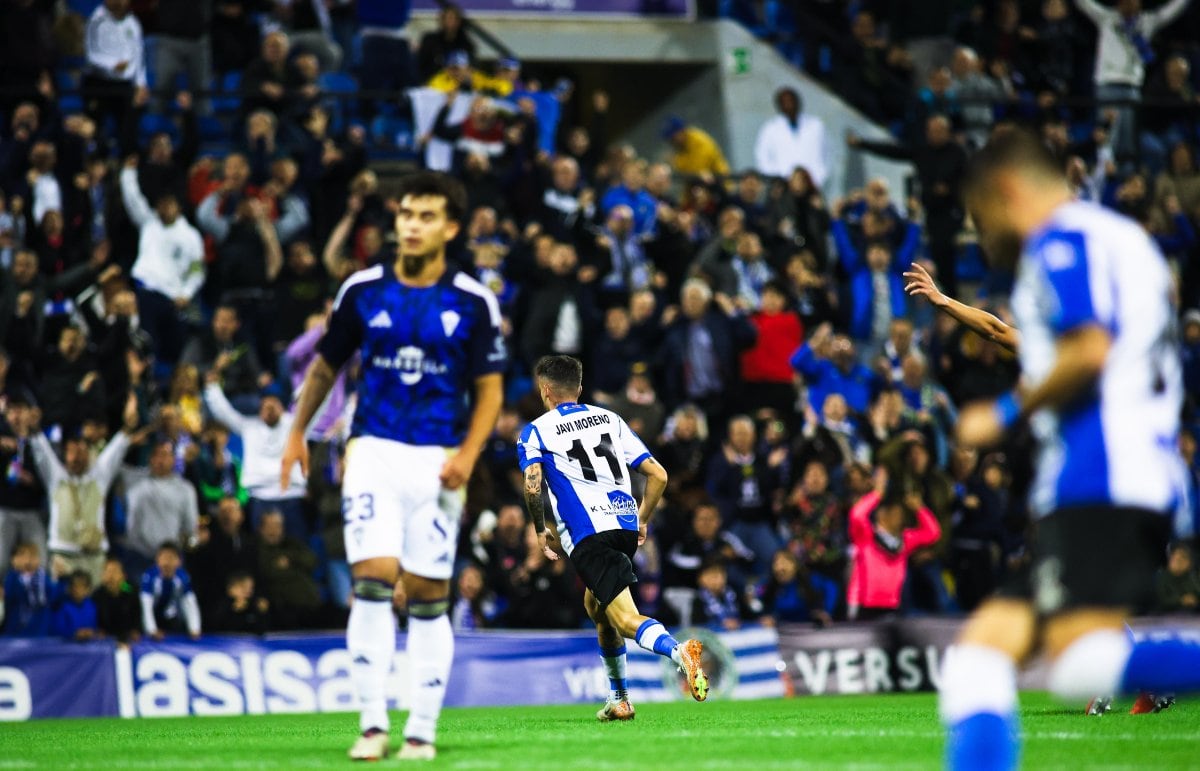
(422, 350)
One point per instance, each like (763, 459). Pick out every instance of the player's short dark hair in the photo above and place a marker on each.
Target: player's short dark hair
(438, 185)
(565, 373)
(170, 546)
(1011, 148)
(80, 575)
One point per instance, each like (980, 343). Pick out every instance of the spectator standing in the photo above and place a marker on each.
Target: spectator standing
(118, 610)
(705, 542)
(75, 617)
(743, 482)
(161, 506)
(1123, 51)
(30, 594)
(881, 548)
(78, 488)
(437, 45)
(184, 46)
(263, 438)
(169, 269)
(766, 373)
(473, 607)
(694, 152)
(698, 359)
(792, 140)
(225, 547)
(940, 162)
(829, 365)
(220, 350)
(22, 493)
(285, 565)
(114, 82)
(168, 603)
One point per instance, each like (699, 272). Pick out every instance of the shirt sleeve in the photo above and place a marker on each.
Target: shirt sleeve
(488, 353)
(1064, 261)
(636, 452)
(529, 447)
(344, 335)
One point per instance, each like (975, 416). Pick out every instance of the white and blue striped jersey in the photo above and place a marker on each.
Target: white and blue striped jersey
(586, 453)
(1118, 444)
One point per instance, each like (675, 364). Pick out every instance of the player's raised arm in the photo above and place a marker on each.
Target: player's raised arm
(920, 284)
(489, 398)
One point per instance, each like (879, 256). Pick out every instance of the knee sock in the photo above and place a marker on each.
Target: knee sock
(614, 664)
(430, 655)
(1163, 664)
(978, 703)
(653, 636)
(1090, 666)
(371, 641)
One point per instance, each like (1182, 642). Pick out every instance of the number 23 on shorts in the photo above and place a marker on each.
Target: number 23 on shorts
(358, 508)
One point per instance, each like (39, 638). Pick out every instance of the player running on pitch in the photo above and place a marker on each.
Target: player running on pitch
(920, 284)
(429, 336)
(1103, 391)
(582, 453)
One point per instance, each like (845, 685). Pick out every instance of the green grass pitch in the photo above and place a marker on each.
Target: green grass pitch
(851, 732)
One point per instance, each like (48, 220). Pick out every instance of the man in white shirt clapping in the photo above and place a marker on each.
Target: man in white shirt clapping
(169, 269)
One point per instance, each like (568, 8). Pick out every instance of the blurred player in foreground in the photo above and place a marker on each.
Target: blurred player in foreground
(428, 337)
(1102, 390)
(920, 284)
(581, 453)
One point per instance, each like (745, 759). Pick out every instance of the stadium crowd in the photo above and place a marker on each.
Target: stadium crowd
(158, 306)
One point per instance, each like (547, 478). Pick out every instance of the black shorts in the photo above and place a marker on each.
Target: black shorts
(1093, 556)
(605, 563)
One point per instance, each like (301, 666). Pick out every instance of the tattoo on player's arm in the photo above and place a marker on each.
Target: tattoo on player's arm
(533, 496)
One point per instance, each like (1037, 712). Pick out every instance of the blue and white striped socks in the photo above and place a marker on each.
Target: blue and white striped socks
(614, 665)
(978, 704)
(654, 637)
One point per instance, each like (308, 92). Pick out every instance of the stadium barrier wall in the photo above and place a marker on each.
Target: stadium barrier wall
(221, 675)
(904, 655)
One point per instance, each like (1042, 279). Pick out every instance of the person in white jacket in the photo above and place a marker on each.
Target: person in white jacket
(791, 140)
(169, 269)
(263, 439)
(1122, 52)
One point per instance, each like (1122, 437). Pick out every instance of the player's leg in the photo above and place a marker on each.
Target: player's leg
(978, 694)
(431, 653)
(651, 635)
(430, 541)
(373, 536)
(1092, 653)
(371, 643)
(612, 653)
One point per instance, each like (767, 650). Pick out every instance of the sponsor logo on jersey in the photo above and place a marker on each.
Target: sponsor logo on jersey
(411, 363)
(450, 321)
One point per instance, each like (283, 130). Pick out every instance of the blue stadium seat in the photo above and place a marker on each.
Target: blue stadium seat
(337, 83)
(151, 124)
(391, 132)
(212, 129)
(231, 87)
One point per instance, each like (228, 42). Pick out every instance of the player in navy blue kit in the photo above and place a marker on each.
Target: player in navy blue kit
(430, 338)
(582, 453)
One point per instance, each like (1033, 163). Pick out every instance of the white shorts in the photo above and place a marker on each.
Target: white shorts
(393, 505)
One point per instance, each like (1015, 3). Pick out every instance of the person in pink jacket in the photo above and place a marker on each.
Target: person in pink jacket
(881, 548)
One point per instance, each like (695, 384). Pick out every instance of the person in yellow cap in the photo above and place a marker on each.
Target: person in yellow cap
(696, 153)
